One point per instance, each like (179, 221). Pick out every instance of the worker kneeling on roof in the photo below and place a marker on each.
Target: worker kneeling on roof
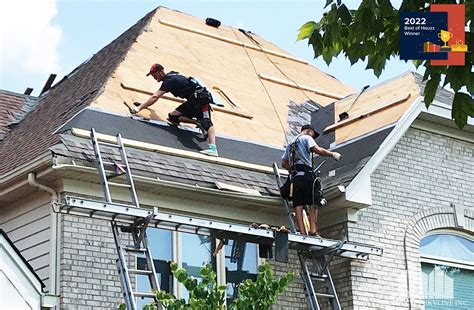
(297, 159)
(195, 110)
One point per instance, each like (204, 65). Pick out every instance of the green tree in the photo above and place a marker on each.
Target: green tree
(262, 293)
(207, 295)
(372, 32)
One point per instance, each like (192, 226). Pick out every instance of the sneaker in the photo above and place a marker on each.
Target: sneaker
(172, 123)
(203, 131)
(314, 234)
(211, 151)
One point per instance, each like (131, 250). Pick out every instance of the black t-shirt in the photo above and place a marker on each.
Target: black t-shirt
(178, 85)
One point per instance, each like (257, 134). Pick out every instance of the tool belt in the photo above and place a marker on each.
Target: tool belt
(308, 171)
(200, 96)
(286, 190)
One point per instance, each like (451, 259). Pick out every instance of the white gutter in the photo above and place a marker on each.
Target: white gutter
(263, 200)
(54, 239)
(31, 165)
(359, 190)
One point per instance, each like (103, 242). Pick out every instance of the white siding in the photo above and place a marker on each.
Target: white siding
(27, 223)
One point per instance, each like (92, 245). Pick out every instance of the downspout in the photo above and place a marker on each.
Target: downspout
(54, 233)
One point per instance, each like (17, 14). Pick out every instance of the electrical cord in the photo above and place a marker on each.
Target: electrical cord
(246, 33)
(266, 90)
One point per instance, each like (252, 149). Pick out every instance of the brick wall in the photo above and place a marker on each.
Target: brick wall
(88, 276)
(412, 192)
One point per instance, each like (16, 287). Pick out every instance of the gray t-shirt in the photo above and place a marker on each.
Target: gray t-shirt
(303, 153)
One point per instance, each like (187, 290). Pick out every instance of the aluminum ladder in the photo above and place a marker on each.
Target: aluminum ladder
(317, 280)
(136, 229)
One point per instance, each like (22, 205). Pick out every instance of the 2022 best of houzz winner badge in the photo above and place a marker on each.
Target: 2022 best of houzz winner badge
(437, 35)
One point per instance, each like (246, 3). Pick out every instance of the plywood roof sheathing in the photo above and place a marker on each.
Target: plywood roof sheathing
(179, 100)
(302, 87)
(366, 114)
(232, 41)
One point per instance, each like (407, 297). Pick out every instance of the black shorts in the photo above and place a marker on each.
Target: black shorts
(303, 191)
(198, 108)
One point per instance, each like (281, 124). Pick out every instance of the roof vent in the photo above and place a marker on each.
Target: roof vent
(213, 22)
(28, 91)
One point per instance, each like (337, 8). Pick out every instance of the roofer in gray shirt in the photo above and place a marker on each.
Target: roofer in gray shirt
(297, 159)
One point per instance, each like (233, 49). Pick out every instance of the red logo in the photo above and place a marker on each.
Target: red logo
(453, 37)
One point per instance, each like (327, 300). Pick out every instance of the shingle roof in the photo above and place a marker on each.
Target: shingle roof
(167, 167)
(10, 104)
(34, 135)
(442, 95)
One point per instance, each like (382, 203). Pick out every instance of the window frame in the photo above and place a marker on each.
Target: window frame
(439, 260)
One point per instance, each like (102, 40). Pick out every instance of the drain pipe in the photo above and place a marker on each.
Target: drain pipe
(54, 239)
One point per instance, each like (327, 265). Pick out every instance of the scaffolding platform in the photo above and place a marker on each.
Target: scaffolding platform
(129, 215)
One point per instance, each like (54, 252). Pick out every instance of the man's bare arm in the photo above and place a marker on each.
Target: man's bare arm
(285, 164)
(153, 98)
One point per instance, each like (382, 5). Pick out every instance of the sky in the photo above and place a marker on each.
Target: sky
(40, 37)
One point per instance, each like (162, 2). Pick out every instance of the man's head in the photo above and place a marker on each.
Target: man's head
(157, 72)
(309, 130)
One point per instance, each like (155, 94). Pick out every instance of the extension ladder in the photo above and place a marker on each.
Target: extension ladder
(135, 229)
(130, 219)
(317, 280)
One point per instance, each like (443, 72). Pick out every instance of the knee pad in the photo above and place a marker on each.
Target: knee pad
(206, 123)
(173, 118)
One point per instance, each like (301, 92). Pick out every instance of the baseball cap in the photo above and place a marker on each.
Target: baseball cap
(155, 68)
(304, 127)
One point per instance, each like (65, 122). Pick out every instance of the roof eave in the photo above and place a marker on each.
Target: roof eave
(142, 180)
(39, 163)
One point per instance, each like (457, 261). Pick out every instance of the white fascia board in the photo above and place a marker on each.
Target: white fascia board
(360, 190)
(19, 275)
(443, 110)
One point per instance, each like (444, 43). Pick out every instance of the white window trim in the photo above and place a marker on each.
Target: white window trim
(437, 260)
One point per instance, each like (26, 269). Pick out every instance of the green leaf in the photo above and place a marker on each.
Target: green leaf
(328, 2)
(205, 272)
(430, 89)
(122, 307)
(181, 275)
(344, 14)
(306, 30)
(174, 266)
(463, 106)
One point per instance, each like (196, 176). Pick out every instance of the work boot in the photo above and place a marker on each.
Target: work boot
(203, 131)
(211, 150)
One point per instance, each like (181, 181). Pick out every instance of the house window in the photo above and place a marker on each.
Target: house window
(447, 264)
(241, 263)
(161, 244)
(196, 251)
(191, 251)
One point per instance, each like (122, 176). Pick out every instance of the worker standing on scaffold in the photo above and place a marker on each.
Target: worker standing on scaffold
(297, 159)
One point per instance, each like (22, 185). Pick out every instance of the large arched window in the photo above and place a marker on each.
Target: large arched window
(447, 263)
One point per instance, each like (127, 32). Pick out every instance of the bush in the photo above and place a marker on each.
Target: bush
(207, 295)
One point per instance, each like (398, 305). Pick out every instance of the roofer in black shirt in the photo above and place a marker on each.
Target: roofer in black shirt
(195, 110)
